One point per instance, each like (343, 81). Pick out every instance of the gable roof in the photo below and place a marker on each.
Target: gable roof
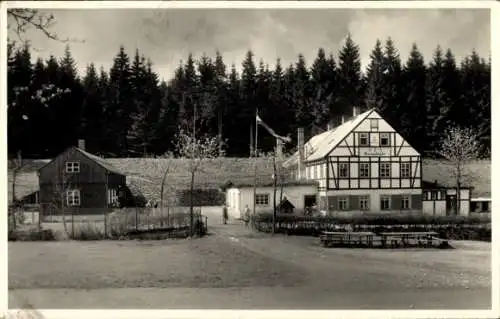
(320, 145)
(101, 161)
(476, 174)
(98, 160)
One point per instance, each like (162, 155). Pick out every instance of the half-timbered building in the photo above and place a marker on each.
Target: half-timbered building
(364, 164)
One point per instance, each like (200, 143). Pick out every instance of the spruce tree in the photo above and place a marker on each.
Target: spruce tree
(350, 89)
(374, 97)
(413, 113)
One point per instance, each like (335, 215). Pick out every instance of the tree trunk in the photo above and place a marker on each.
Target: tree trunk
(274, 193)
(459, 177)
(191, 206)
(162, 191)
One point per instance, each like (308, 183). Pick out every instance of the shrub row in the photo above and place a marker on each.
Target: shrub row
(376, 219)
(448, 227)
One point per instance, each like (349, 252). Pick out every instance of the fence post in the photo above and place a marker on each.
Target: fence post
(105, 223)
(136, 219)
(72, 223)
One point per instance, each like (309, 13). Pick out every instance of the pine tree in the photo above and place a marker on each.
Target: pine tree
(323, 78)
(436, 99)
(302, 94)
(120, 105)
(92, 110)
(248, 103)
(375, 79)
(350, 89)
(413, 113)
(392, 85)
(222, 96)
(475, 98)
(138, 137)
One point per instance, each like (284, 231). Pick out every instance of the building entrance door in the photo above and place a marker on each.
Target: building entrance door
(451, 205)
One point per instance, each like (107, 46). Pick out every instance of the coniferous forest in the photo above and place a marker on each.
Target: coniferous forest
(127, 111)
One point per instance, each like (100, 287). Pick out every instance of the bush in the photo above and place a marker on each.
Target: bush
(449, 227)
(32, 234)
(88, 231)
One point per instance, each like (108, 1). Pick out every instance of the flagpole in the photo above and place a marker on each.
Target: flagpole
(255, 163)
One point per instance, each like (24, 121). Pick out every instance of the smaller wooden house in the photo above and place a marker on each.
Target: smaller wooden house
(285, 207)
(79, 181)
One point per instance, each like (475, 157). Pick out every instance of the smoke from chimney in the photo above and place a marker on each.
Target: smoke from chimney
(81, 144)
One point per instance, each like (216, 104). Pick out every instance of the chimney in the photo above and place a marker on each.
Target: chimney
(355, 111)
(343, 119)
(279, 148)
(300, 146)
(329, 125)
(81, 144)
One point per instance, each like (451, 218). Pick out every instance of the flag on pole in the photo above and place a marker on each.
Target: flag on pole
(271, 131)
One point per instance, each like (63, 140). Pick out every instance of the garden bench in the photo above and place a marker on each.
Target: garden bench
(348, 238)
(404, 238)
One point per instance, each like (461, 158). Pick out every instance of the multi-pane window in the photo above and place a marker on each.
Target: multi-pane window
(385, 139)
(73, 197)
(385, 202)
(385, 170)
(343, 170)
(364, 169)
(405, 202)
(343, 205)
(364, 139)
(405, 170)
(374, 124)
(364, 203)
(262, 199)
(72, 167)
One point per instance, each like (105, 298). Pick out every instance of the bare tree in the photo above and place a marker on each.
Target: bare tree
(195, 150)
(22, 19)
(61, 186)
(459, 146)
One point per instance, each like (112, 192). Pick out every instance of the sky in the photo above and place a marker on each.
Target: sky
(166, 36)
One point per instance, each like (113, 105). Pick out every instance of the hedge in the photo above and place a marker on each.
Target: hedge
(448, 227)
(375, 219)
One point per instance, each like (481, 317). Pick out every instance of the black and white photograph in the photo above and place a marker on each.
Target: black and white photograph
(248, 158)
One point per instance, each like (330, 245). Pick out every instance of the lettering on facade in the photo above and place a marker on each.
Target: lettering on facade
(375, 151)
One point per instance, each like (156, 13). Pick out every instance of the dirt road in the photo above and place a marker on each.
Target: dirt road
(235, 268)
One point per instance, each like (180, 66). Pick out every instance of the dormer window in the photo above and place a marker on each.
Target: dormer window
(363, 139)
(72, 167)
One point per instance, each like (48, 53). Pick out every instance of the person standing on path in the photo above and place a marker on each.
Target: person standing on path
(224, 214)
(246, 215)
